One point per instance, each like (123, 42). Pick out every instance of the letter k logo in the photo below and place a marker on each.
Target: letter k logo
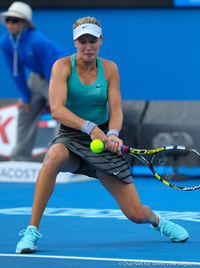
(3, 128)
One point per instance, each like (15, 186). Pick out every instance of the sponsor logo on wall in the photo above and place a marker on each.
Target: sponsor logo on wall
(8, 128)
(8, 125)
(12, 171)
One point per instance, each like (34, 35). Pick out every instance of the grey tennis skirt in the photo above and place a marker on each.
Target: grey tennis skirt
(107, 162)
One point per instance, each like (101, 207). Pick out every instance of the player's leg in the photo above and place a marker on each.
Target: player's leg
(128, 200)
(59, 158)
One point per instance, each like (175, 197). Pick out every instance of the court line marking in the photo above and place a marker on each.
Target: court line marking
(98, 213)
(100, 259)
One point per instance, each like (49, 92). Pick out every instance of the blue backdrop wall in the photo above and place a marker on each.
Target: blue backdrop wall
(157, 50)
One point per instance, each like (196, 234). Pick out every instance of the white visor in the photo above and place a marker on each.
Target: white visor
(87, 28)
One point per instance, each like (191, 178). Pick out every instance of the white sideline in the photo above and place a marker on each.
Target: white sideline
(121, 261)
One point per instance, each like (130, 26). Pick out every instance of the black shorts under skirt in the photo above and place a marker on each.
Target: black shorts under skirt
(107, 162)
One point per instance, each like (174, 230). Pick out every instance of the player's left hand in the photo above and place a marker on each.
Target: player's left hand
(115, 144)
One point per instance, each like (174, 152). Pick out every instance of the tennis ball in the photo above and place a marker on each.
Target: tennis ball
(96, 146)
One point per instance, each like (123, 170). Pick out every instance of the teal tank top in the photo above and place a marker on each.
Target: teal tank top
(88, 101)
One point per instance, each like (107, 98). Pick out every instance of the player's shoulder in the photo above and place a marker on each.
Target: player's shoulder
(64, 61)
(110, 67)
(62, 65)
(109, 63)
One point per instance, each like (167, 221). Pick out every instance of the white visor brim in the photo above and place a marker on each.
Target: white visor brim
(87, 28)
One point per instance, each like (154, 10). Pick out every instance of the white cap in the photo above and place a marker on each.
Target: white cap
(19, 10)
(87, 28)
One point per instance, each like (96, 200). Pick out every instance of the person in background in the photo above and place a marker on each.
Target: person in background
(27, 50)
(80, 88)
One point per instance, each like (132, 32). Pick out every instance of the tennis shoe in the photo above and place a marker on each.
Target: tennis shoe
(28, 243)
(173, 231)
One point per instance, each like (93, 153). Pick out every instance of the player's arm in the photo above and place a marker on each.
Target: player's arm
(114, 100)
(61, 72)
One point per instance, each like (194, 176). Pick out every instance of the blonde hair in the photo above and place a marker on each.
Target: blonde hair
(86, 20)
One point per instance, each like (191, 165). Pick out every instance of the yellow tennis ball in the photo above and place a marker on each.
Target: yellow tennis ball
(96, 146)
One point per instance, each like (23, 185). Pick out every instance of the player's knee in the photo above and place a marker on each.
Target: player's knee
(54, 159)
(142, 216)
(136, 217)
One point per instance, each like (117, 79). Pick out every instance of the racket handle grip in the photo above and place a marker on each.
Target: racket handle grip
(124, 148)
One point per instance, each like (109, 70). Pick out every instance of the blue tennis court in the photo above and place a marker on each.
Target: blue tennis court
(83, 227)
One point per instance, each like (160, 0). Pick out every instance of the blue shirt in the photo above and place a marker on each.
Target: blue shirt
(88, 101)
(33, 51)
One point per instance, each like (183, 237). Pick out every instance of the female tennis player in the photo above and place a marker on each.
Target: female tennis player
(80, 88)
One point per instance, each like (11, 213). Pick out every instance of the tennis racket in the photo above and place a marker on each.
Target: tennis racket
(175, 166)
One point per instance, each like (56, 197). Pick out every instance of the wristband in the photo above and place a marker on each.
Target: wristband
(87, 127)
(113, 132)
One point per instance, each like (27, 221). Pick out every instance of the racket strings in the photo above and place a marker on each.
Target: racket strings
(179, 167)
